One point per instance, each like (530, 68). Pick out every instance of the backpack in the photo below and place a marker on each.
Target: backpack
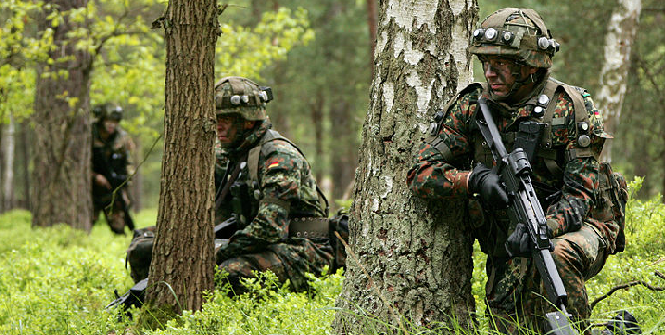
(139, 253)
(611, 203)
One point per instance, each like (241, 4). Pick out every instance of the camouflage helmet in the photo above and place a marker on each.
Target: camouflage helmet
(107, 112)
(238, 95)
(517, 33)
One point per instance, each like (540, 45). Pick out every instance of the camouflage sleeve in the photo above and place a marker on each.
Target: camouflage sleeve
(580, 179)
(280, 184)
(436, 173)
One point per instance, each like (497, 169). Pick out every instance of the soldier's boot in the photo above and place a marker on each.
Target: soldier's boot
(116, 221)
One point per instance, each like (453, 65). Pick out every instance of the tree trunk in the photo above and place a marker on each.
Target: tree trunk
(183, 253)
(8, 165)
(621, 31)
(61, 140)
(410, 261)
(25, 148)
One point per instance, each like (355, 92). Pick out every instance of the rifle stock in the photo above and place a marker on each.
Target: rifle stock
(525, 208)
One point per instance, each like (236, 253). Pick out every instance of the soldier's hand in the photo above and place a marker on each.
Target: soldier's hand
(101, 181)
(488, 185)
(518, 243)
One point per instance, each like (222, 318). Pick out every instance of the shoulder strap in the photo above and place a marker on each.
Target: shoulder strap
(441, 114)
(253, 163)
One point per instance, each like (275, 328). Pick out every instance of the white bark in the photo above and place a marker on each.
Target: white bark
(410, 259)
(8, 165)
(621, 31)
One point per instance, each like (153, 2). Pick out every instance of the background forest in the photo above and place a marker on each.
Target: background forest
(317, 55)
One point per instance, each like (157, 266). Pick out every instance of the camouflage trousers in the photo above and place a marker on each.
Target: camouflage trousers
(115, 215)
(288, 261)
(516, 296)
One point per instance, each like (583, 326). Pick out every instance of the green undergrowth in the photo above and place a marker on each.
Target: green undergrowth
(58, 280)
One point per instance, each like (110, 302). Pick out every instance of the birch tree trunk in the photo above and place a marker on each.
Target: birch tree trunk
(621, 31)
(8, 165)
(183, 252)
(409, 260)
(62, 139)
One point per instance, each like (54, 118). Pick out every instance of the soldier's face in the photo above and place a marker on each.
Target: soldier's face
(230, 128)
(502, 74)
(109, 126)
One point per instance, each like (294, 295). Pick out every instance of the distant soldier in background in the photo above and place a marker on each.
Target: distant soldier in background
(111, 147)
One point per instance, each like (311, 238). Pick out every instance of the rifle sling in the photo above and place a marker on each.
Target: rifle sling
(227, 185)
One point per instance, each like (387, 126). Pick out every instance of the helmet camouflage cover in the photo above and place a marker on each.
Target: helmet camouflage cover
(107, 111)
(517, 33)
(237, 95)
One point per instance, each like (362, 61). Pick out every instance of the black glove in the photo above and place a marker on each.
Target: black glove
(486, 183)
(518, 243)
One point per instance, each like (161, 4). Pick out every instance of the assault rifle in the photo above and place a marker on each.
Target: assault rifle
(524, 208)
(133, 297)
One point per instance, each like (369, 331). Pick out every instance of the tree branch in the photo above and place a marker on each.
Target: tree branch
(629, 285)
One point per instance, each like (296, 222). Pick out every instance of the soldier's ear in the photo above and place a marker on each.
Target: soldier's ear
(249, 125)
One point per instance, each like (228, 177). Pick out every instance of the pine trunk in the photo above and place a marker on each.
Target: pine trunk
(621, 31)
(183, 253)
(62, 141)
(411, 263)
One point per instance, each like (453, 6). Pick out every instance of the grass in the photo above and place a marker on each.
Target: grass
(57, 280)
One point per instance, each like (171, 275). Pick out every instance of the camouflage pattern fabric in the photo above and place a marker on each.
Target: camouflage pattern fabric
(514, 288)
(521, 23)
(286, 189)
(253, 110)
(116, 151)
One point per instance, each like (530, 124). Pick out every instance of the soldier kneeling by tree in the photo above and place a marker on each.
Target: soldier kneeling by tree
(270, 213)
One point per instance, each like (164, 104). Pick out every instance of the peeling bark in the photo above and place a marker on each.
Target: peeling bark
(411, 260)
(621, 31)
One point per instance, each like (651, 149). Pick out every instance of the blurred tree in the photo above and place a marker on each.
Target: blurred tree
(639, 137)
(326, 82)
(7, 154)
(61, 174)
(403, 249)
(619, 39)
(183, 252)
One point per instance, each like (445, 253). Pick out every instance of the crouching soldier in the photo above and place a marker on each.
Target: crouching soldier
(270, 214)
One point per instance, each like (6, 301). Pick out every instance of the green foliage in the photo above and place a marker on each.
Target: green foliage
(244, 51)
(267, 308)
(644, 255)
(57, 280)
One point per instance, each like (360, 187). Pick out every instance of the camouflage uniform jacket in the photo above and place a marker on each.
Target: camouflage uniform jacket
(285, 190)
(568, 196)
(110, 154)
